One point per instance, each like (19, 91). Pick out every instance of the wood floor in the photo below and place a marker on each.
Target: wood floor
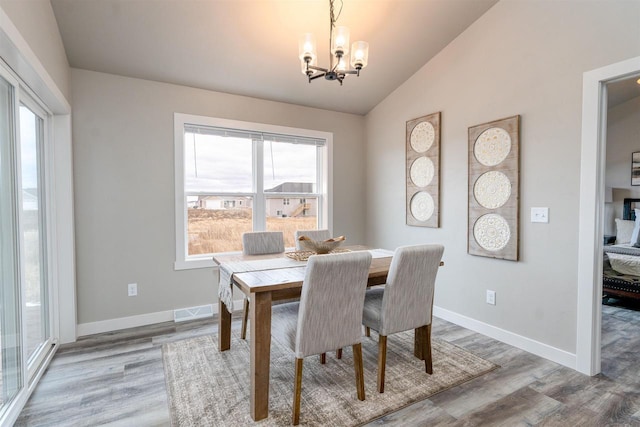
(118, 379)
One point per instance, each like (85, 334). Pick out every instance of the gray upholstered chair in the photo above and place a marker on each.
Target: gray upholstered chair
(259, 243)
(405, 302)
(328, 316)
(312, 234)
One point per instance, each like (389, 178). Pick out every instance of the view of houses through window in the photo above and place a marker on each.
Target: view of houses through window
(238, 181)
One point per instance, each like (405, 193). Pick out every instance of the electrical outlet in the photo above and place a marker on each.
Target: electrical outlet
(491, 297)
(132, 289)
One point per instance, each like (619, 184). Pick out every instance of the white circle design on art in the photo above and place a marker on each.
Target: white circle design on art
(492, 189)
(422, 206)
(422, 137)
(491, 231)
(422, 171)
(492, 146)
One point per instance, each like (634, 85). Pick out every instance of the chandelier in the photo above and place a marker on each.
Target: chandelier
(339, 51)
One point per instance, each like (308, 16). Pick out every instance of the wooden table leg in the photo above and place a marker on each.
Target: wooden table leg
(224, 327)
(260, 339)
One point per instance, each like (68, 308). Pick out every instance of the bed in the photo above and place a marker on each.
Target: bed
(619, 281)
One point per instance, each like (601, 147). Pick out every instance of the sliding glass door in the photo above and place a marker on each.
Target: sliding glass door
(25, 321)
(10, 331)
(33, 227)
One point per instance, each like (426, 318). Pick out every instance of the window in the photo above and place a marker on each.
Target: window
(233, 177)
(26, 334)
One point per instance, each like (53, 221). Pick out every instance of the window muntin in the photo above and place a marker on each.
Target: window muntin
(288, 168)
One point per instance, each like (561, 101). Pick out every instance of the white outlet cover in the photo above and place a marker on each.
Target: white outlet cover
(540, 215)
(491, 297)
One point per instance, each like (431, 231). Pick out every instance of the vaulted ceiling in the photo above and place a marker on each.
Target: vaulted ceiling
(250, 47)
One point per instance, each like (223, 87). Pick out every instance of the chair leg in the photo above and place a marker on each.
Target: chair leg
(245, 318)
(323, 358)
(357, 363)
(339, 353)
(297, 392)
(382, 361)
(426, 350)
(367, 331)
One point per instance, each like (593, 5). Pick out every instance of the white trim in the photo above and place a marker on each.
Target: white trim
(592, 164)
(195, 263)
(527, 344)
(117, 324)
(15, 50)
(324, 175)
(62, 217)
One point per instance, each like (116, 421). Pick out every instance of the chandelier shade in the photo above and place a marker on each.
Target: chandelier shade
(339, 53)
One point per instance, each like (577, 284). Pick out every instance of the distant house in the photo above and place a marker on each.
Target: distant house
(285, 205)
(292, 206)
(219, 202)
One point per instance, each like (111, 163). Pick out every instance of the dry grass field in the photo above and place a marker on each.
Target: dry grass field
(220, 230)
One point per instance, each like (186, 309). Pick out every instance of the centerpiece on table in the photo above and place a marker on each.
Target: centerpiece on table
(322, 246)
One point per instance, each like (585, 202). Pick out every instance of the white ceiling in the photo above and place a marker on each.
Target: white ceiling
(250, 47)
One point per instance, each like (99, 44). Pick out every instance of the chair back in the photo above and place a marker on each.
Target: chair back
(263, 242)
(331, 303)
(312, 234)
(407, 301)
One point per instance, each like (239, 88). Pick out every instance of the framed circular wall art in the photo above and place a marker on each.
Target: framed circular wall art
(423, 171)
(494, 182)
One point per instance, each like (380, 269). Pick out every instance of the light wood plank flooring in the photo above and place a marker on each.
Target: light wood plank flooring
(118, 379)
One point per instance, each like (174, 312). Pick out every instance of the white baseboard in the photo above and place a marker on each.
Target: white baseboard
(117, 324)
(527, 344)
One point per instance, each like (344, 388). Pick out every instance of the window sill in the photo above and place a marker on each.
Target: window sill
(193, 264)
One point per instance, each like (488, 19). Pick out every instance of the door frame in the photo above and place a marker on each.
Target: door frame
(590, 228)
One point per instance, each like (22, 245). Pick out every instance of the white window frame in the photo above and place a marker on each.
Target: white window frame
(29, 100)
(324, 193)
(32, 369)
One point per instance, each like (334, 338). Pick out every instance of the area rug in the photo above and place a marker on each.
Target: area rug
(208, 388)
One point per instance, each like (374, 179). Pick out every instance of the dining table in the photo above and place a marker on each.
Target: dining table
(266, 279)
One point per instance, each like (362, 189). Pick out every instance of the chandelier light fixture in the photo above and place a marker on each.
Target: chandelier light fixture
(339, 52)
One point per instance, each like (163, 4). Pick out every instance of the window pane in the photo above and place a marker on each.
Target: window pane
(31, 127)
(290, 168)
(217, 164)
(290, 214)
(10, 370)
(216, 223)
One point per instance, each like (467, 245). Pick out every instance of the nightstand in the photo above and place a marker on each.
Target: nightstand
(609, 240)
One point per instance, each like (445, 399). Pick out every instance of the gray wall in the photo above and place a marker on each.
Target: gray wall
(521, 57)
(124, 187)
(623, 138)
(37, 24)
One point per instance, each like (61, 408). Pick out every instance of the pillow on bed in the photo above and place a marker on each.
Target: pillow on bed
(624, 230)
(625, 264)
(635, 236)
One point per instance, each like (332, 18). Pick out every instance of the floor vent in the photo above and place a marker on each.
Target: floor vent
(191, 313)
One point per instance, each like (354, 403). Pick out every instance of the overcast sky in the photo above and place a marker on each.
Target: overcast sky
(224, 164)
(28, 148)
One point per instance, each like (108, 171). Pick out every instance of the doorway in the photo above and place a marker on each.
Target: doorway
(592, 198)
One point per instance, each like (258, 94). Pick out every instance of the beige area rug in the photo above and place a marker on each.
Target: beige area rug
(209, 388)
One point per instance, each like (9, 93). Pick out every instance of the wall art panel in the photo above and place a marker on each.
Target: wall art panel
(494, 177)
(423, 171)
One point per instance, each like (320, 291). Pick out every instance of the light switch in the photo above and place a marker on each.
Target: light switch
(539, 214)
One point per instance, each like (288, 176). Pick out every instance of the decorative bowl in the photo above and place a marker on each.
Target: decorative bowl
(320, 247)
